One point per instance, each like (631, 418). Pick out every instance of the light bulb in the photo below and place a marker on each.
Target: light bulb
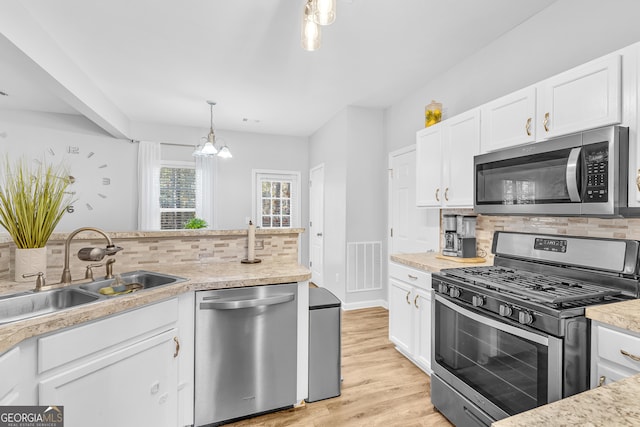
(310, 29)
(225, 153)
(325, 12)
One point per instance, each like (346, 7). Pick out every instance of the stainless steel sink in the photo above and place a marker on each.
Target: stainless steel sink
(147, 279)
(32, 304)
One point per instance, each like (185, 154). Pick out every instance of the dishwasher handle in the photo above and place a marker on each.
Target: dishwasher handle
(246, 303)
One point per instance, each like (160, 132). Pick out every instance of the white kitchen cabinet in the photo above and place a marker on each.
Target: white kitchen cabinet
(444, 156)
(17, 375)
(615, 353)
(410, 313)
(429, 159)
(585, 97)
(509, 121)
(121, 370)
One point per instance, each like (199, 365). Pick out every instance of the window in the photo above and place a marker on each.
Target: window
(276, 202)
(177, 194)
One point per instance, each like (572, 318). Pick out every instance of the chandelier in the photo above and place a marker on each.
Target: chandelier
(208, 149)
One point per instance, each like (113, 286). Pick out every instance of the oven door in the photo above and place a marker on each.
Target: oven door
(502, 368)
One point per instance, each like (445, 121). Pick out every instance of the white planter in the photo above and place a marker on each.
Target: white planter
(30, 261)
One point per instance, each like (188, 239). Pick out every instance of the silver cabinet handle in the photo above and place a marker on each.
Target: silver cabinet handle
(177, 341)
(319, 234)
(246, 303)
(412, 277)
(415, 301)
(407, 297)
(527, 127)
(446, 194)
(437, 195)
(630, 356)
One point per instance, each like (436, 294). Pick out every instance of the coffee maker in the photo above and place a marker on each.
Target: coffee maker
(450, 226)
(466, 236)
(459, 235)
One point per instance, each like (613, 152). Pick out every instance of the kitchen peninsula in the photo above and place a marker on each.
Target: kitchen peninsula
(145, 338)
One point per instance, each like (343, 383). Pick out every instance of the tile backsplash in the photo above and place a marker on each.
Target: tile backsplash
(146, 250)
(615, 228)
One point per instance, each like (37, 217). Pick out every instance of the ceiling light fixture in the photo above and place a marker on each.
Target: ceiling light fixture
(325, 12)
(208, 149)
(310, 28)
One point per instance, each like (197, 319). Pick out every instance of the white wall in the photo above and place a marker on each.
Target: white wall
(566, 34)
(32, 134)
(351, 147)
(328, 146)
(366, 219)
(49, 136)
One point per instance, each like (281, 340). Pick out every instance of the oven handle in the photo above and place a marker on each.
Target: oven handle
(572, 174)
(528, 335)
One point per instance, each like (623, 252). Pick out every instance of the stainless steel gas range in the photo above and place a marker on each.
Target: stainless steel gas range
(513, 336)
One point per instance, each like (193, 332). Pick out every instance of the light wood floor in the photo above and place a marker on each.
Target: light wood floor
(380, 388)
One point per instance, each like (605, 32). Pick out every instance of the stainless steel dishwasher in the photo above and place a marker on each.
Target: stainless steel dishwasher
(245, 352)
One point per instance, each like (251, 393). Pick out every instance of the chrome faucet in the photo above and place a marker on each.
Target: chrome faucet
(110, 250)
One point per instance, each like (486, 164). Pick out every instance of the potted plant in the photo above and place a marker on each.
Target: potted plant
(32, 202)
(195, 223)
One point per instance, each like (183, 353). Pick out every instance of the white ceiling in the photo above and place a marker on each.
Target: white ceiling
(158, 61)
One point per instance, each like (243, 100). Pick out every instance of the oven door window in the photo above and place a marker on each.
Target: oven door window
(534, 179)
(508, 370)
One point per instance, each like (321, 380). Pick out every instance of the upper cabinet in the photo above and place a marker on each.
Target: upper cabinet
(444, 154)
(509, 121)
(585, 97)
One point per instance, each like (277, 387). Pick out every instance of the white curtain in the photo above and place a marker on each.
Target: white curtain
(149, 186)
(205, 169)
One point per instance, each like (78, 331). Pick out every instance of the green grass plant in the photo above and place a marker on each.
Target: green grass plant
(33, 199)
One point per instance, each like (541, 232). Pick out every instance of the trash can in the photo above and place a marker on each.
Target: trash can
(324, 345)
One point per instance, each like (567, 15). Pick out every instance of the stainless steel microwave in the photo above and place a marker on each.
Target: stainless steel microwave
(580, 174)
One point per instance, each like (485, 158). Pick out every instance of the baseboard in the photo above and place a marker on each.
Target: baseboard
(365, 304)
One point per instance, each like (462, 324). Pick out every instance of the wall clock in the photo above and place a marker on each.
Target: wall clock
(88, 176)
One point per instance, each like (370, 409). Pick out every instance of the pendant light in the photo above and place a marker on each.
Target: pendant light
(209, 148)
(324, 12)
(310, 28)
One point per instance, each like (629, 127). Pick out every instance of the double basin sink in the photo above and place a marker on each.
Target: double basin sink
(30, 304)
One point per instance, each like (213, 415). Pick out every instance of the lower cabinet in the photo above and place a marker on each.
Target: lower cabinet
(118, 371)
(132, 386)
(18, 375)
(410, 313)
(615, 354)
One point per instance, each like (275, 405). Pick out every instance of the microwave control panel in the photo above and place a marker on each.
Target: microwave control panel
(596, 161)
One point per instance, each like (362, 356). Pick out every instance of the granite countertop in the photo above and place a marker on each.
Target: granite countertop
(625, 315)
(200, 277)
(430, 261)
(615, 404)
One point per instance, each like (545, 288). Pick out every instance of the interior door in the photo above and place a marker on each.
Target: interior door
(409, 225)
(316, 224)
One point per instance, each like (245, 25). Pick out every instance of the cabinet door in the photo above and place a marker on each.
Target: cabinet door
(429, 166)
(422, 318)
(585, 97)
(133, 386)
(401, 315)
(460, 141)
(509, 121)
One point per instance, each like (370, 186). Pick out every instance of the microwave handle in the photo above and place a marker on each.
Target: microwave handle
(572, 175)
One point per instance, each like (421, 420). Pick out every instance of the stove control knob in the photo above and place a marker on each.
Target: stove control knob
(525, 318)
(477, 300)
(454, 292)
(505, 310)
(442, 288)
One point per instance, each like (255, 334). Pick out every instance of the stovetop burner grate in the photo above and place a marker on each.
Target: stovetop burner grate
(543, 288)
